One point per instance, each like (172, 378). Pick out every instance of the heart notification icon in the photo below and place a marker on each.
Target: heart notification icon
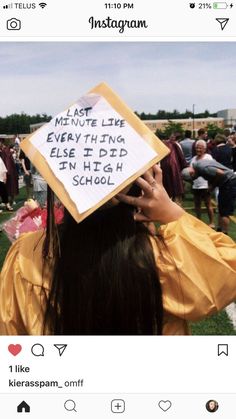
(14, 349)
(164, 405)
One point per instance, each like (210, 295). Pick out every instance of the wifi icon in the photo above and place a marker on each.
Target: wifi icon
(42, 5)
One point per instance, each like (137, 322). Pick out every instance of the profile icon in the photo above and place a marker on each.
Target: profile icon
(212, 406)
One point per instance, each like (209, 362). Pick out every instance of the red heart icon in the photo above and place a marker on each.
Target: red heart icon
(14, 349)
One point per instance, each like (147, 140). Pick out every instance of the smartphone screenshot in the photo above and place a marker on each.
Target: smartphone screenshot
(117, 209)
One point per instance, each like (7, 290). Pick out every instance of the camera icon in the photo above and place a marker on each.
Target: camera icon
(191, 5)
(13, 24)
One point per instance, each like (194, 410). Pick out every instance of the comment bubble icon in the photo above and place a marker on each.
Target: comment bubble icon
(37, 349)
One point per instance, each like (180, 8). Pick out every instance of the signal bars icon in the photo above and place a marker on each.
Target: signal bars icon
(8, 6)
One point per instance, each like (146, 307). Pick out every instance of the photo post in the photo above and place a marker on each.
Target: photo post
(117, 209)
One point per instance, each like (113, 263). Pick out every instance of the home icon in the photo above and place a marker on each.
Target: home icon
(23, 407)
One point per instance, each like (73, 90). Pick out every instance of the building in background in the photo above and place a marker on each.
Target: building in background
(34, 127)
(229, 116)
(225, 119)
(187, 124)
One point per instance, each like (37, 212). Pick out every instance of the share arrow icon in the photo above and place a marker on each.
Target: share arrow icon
(223, 22)
(61, 348)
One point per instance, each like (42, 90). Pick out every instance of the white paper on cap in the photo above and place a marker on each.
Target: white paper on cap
(103, 153)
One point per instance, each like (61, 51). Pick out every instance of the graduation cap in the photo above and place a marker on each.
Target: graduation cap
(92, 150)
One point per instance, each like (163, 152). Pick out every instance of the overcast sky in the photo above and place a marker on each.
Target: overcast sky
(48, 77)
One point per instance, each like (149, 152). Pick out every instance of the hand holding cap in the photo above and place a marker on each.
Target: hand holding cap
(154, 204)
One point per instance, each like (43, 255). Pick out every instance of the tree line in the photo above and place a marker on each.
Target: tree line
(175, 114)
(20, 123)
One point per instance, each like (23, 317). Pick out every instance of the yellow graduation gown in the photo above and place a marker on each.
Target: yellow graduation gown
(196, 265)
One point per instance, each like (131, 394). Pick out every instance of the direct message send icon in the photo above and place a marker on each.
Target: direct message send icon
(223, 22)
(61, 348)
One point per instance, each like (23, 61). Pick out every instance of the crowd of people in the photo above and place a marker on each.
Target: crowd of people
(186, 155)
(111, 274)
(209, 163)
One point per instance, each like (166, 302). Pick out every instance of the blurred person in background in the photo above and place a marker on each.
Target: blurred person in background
(12, 176)
(187, 146)
(17, 162)
(231, 141)
(224, 178)
(222, 151)
(17, 141)
(201, 135)
(39, 187)
(211, 143)
(200, 185)
(26, 167)
(3, 189)
(171, 166)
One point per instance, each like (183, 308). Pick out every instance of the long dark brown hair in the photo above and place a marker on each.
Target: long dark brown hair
(104, 275)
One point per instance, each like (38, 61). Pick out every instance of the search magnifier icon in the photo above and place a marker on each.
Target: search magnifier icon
(70, 405)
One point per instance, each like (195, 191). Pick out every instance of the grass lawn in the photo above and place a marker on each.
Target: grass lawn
(215, 325)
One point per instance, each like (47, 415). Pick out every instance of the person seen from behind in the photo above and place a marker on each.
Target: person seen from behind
(12, 186)
(200, 185)
(222, 152)
(107, 275)
(3, 189)
(187, 146)
(231, 141)
(172, 166)
(26, 166)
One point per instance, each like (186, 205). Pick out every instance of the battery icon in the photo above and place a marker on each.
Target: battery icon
(220, 5)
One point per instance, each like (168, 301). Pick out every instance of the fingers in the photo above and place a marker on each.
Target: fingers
(145, 186)
(158, 174)
(147, 183)
(138, 216)
(148, 176)
(154, 175)
(130, 200)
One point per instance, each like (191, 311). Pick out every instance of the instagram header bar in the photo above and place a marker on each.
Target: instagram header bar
(123, 20)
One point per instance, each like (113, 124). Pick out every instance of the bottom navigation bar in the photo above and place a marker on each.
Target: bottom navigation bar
(136, 406)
